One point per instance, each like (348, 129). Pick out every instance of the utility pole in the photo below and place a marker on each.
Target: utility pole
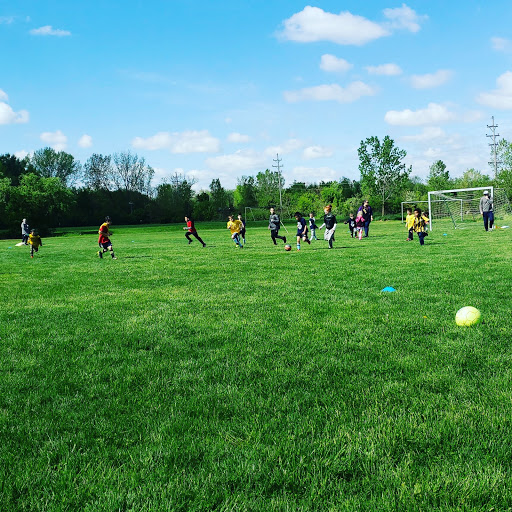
(494, 145)
(278, 166)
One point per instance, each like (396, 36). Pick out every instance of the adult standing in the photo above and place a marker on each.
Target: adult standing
(367, 211)
(24, 232)
(274, 223)
(486, 210)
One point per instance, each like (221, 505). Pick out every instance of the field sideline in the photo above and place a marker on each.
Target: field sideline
(193, 379)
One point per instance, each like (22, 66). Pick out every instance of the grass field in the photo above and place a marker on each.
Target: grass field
(187, 379)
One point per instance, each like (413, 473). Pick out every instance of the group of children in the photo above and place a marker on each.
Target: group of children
(416, 222)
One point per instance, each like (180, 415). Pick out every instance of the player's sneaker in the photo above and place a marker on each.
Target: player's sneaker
(114, 258)
(100, 254)
(204, 245)
(284, 239)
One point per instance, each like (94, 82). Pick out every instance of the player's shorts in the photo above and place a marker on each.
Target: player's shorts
(302, 235)
(106, 245)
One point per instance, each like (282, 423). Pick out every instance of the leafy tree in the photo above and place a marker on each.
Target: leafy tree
(44, 201)
(245, 193)
(504, 176)
(438, 177)
(12, 167)
(131, 173)
(98, 172)
(472, 178)
(49, 163)
(383, 172)
(174, 200)
(219, 198)
(267, 188)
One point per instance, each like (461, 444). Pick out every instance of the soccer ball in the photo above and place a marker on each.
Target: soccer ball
(287, 247)
(467, 316)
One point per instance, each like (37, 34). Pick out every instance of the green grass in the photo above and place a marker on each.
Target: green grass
(190, 379)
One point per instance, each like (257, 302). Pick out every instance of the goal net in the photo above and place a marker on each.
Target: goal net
(461, 207)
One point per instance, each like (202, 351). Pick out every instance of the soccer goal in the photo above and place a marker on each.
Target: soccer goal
(460, 208)
(412, 205)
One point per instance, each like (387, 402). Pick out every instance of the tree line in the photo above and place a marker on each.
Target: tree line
(51, 188)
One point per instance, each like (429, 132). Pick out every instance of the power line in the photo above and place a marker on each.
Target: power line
(494, 146)
(278, 166)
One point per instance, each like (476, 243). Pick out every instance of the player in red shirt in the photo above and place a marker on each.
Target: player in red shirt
(191, 230)
(104, 240)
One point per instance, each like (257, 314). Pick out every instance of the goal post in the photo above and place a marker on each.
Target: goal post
(462, 206)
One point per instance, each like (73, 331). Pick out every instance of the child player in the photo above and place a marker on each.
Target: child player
(312, 227)
(191, 230)
(359, 224)
(302, 229)
(242, 230)
(329, 224)
(409, 223)
(235, 226)
(104, 240)
(420, 223)
(351, 224)
(35, 242)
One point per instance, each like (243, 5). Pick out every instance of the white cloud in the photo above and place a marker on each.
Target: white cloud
(384, 69)
(179, 143)
(331, 92)
(20, 155)
(85, 141)
(428, 134)
(501, 44)
(238, 138)
(314, 24)
(331, 63)
(312, 152)
(6, 20)
(8, 116)
(48, 30)
(433, 114)
(431, 80)
(501, 97)
(312, 174)
(243, 160)
(228, 120)
(57, 140)
(3, 96)
(286, 148)
(404, 18)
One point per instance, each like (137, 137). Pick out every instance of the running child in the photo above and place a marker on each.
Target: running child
(420, 223)
(104, 240)
(34, 241)
(235, 226)
(409, 223)
(351, 225)
(302, 229)
(242, 230)
(191, 230)
(329, 224)
(360, 224)
(312, 227)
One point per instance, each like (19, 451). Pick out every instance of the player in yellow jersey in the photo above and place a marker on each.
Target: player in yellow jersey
(235, 226)
(34, 241)
(409, 223)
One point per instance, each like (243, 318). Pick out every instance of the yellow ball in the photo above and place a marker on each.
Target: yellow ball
(468, 316)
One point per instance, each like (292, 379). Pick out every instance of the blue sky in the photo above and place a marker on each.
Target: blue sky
(215, 89)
